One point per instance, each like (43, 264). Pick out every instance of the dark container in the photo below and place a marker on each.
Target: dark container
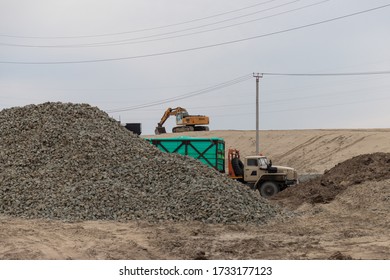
(134, 127)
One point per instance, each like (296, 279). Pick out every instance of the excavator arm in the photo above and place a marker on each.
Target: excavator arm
(169, 112)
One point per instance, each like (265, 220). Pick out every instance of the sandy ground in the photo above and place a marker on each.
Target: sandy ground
(355, 225)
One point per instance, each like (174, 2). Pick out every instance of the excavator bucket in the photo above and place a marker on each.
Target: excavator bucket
(160, 130)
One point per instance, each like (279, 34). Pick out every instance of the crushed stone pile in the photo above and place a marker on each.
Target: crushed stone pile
(352, 172)
(74, 162)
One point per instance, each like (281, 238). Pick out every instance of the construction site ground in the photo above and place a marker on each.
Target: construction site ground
(342, 214)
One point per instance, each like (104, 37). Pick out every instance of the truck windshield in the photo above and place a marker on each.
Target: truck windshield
(263, 162)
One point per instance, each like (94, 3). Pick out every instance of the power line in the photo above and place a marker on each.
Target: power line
(133, 41)
(288, 100)
(184, 96)
(213, 88)
(304, 108)
(326, 106)
(330, 74)
(138, 40)
(139, 30)
(200, 47)
(293, 109)
(209, 24)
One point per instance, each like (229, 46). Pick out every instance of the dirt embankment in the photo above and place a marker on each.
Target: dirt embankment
(367, 168)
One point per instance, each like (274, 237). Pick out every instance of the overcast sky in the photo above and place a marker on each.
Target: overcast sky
(201, 55)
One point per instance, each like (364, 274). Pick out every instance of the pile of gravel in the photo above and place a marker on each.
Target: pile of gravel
(74, 162)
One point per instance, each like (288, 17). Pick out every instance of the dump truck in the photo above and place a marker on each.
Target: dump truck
(258, 173)
(184, 121)
(255, 171)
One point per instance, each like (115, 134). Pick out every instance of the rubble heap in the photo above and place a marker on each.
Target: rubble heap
(349, 173)
(74, 162)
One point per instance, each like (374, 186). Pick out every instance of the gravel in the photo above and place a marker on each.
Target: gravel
(73, 162)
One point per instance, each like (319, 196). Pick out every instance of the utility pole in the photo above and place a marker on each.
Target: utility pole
(257, 76)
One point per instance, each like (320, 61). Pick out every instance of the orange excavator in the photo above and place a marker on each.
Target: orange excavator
(184, 121)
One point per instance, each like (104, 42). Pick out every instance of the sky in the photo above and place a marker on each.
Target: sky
(134, 59)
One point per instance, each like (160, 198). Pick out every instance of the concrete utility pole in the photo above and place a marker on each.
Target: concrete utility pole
(257, 76)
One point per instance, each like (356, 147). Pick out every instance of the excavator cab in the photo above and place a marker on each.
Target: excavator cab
(180, 116)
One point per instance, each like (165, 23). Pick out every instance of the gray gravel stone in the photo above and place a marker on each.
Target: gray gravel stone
(74, 162)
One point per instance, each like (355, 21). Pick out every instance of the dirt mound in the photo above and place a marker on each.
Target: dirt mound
(73, 162)
(354, 171)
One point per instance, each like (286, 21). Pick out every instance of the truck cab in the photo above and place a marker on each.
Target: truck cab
(259, 173)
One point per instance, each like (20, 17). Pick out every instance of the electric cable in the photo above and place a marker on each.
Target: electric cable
(133, 41)
(330, 74)
(139, 30)
(136, 40)
(326, 106)
(200, 47)
(184, 96)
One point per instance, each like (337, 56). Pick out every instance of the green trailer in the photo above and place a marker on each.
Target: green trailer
(210, 151)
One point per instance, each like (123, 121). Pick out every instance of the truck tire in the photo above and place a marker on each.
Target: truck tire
(268, 189)
(238, 167)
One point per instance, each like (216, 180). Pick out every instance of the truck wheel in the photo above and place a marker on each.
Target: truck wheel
(268, 189)
(238, 167)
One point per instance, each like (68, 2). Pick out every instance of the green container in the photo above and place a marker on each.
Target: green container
(210, 151)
